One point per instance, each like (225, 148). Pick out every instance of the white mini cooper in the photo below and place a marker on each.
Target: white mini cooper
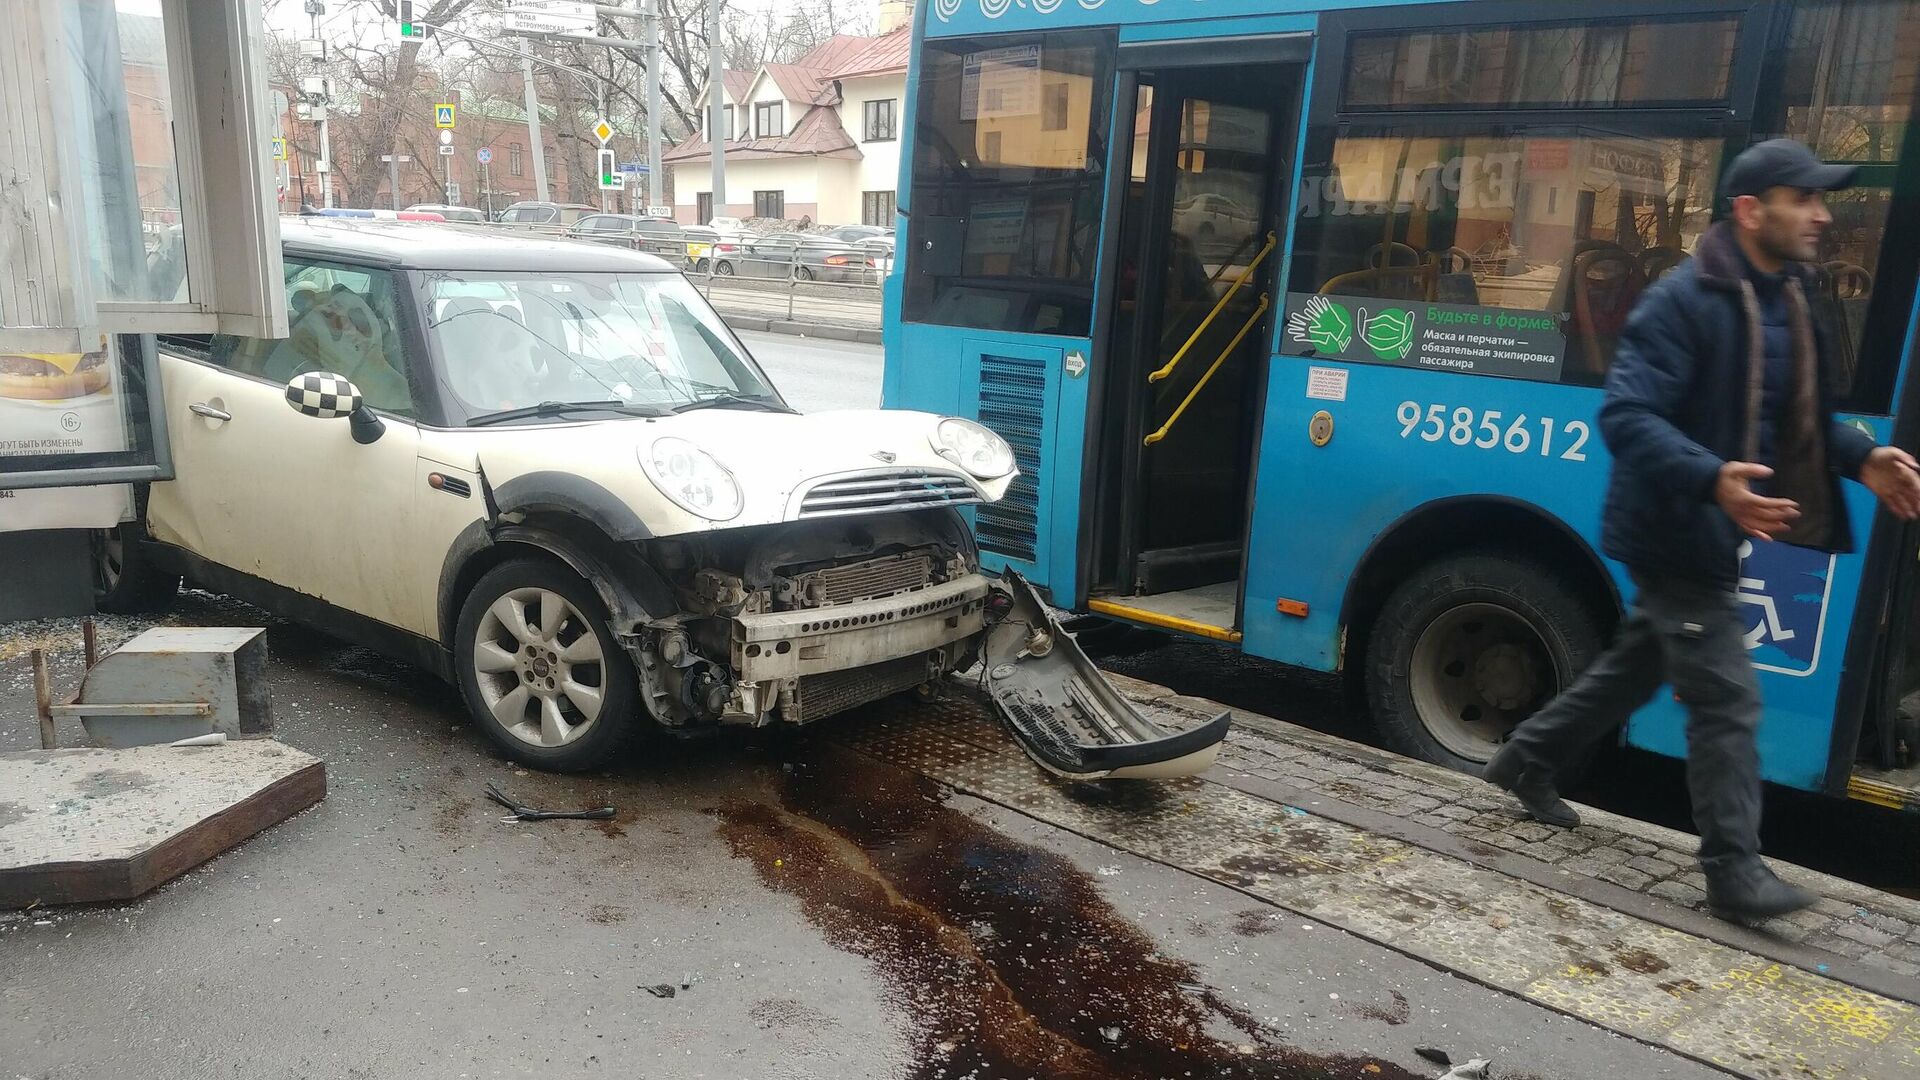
(548, 471)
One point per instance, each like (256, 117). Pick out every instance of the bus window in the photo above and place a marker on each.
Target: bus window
(1571, 223)
(1585, 65)
(1846, 88)
(1009, 153)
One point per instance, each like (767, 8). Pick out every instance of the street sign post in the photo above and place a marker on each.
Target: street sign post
(657, 210)
(446, 151)
(486, 155)
(279, 148)
(443, 115)
(602, 131)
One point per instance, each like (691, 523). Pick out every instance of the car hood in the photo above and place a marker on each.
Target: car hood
(871, 461)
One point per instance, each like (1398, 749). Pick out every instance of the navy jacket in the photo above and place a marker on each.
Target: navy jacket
(1675, 411)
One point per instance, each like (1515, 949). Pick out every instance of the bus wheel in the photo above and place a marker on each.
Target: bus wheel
(1469, 646)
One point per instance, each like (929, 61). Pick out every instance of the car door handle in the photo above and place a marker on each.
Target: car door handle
(201, 408)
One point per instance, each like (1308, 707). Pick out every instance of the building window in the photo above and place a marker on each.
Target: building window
(1055, 106)
(1006, 215)
(769, 120)
(882, 124)
(877, 208)
(703, 207)
(513, 159)
(727, 113)
(770, 204)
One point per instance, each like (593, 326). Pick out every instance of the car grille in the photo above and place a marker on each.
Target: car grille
(867, 580)
(887, 489)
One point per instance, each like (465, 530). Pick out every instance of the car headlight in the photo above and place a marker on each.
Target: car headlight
(973, 448)
(692, 479)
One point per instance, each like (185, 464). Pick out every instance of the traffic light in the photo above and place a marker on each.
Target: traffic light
(610, 178)
(403, 12)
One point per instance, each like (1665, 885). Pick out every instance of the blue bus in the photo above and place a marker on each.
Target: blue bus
(1296, 314)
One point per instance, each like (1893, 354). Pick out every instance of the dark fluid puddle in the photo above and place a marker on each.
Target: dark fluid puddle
(1006, 955)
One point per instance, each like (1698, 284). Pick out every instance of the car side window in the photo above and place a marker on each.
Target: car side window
(340, 319)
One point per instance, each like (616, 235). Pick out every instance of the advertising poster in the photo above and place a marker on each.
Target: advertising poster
(1000, 82)
(60, 403)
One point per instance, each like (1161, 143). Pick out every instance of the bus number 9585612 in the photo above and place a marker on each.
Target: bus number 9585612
(1491, 430)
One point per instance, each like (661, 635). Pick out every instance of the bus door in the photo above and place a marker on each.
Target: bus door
(1200, 243)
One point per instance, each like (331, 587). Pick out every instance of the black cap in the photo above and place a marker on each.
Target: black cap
(1783, 163)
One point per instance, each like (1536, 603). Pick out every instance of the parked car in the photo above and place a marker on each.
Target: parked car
(545, 213)
(549, 472)
(705, 244)
(654, 236)
(773, 255)
(729, 225)
(452, 213)
(866, 262)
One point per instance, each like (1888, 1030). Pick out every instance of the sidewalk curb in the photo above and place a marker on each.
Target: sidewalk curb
(826, 332)
(1825, 884)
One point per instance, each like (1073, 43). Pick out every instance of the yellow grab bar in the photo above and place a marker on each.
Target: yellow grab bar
(1217, 309)
(1202, 384)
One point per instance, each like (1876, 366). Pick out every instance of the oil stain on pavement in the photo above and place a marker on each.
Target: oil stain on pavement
(1006, 955)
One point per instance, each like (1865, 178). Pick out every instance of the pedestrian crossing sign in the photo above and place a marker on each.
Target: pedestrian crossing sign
(279, 148)
(443, 116)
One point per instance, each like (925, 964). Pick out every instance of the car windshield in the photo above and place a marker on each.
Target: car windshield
(649, 341)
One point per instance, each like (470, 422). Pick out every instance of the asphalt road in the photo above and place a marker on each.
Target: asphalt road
(818, 374)
(814, 912)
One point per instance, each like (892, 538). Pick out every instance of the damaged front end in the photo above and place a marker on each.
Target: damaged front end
(790, 624)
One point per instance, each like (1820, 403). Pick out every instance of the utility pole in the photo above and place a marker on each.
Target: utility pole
(315, 8)
(655, 180)
(716, 119)
(533, 126)
(393, 174)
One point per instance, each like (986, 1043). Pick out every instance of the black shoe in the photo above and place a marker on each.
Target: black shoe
(1748, 892)
(1508, 771)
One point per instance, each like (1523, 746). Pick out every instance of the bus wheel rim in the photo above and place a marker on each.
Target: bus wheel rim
(1477, 670)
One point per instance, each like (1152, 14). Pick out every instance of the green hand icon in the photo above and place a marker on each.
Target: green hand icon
(1322, 324)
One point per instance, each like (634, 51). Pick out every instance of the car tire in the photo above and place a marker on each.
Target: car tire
(803, 273)
(563, 698)
(723, 268)
(125, 579)
(1467, 647)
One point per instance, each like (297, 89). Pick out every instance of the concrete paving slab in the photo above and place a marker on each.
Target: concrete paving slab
(86, 825)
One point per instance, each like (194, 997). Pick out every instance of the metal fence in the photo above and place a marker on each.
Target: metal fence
(746, 278)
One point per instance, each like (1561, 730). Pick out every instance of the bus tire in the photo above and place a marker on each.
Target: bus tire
(1468, 646)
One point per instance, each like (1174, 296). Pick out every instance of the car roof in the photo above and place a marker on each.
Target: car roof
(422, 246)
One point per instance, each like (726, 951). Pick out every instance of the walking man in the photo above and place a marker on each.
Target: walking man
(1718, 416)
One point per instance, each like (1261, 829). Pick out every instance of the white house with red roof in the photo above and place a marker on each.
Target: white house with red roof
(815, 140)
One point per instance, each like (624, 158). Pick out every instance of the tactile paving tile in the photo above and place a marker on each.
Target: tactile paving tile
(1712, 1002)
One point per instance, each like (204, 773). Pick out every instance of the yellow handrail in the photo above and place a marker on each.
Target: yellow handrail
(1201, 385)
(1245, 277)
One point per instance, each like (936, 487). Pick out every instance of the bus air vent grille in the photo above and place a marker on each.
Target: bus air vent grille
(1013, 392)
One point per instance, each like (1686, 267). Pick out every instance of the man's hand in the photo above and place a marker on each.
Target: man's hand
(1893, 475)
(1758, 516)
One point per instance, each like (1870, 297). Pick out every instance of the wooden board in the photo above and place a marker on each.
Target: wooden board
(86, 825)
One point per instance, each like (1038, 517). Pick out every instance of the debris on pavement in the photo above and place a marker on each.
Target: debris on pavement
(523, 812)
(1471, 1070)
(661, 990)
(1434, 1054)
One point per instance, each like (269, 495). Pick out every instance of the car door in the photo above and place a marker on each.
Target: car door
(287, 498)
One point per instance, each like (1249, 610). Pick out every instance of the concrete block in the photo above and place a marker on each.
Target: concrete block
(225, 667)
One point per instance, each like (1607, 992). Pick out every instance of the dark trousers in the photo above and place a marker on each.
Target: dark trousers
(1691, 635)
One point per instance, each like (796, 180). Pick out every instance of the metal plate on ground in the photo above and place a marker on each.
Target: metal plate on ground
(86, 825)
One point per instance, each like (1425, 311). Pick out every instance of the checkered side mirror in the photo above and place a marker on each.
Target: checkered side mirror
(322, 394)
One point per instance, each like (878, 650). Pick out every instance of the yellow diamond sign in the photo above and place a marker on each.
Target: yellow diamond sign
(602, 131)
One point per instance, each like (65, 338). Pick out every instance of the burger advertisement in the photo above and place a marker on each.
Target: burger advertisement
(58, 403)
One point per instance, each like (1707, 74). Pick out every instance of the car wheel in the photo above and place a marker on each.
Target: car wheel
(723, 268)
(803, 273)
(125, 580)
(541, 672)
(1469, 646)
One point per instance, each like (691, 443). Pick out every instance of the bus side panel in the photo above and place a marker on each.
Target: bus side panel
(1018, 386)
(1799, 606)
(1400, 439)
